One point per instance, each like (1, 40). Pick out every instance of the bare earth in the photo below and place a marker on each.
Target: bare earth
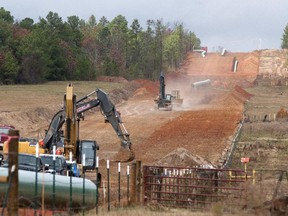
(203, 125)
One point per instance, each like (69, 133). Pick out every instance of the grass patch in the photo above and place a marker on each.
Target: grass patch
(48, 94)
(58, 88)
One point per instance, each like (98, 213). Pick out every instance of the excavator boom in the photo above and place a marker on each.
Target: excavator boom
(114, 118)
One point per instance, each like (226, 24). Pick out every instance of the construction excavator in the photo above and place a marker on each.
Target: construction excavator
(163, 101)
(71, 115)
(167, 101)
(67, 141)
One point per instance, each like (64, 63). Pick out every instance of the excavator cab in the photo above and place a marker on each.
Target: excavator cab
(89, 149)
(169, 97)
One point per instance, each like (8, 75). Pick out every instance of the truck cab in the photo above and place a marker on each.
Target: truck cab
(28, 162)
(4, 130)
(60, 163)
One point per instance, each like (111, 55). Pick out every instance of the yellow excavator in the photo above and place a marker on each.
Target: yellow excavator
(72, 114)
(69, 117)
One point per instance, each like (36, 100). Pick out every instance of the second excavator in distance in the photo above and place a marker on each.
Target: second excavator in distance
(167, 101)
(163, 100)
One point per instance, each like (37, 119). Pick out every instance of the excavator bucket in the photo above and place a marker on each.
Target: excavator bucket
(124, 155)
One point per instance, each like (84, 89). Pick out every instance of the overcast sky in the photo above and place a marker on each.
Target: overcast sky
(237, 25)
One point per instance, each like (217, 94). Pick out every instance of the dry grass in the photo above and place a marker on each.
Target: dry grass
(57, 88)
(145, 211)
(50, 94)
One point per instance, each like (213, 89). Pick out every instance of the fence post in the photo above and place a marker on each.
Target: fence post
(119, 184)
(97, 183)
(83, 194)
(128, 185)
(108, 185)
(54, 173)
(138, 181)
(133, 183)
(12, 205)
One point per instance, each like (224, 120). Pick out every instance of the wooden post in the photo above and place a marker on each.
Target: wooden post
(133, 184)
(135, 176)
(12, 201)
(138, 181)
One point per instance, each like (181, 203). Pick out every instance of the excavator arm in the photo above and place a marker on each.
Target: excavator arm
(110, 112)
(162, 94)
(114, 118)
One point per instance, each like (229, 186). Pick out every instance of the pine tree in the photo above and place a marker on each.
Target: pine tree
(284, 44)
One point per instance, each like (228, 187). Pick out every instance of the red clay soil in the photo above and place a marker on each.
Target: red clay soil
(206, 121)
(218, 68)
(203, 133)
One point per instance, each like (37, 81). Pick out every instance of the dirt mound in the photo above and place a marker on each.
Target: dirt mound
(234, 97)
(140, 92)
(229, 100)
(183, 157)
(146, 87)
(282, 114)
(119, 95)
(244, 93)
(240, 94)
(29, 122)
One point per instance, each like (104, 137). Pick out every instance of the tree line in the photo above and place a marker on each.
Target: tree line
(284, 44)
(75, 49)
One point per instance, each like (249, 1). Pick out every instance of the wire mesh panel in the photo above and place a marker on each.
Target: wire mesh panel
(191, 187)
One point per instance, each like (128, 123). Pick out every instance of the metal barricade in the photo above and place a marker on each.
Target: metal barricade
(192, 187)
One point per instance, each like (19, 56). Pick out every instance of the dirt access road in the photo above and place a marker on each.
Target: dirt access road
(201, 127)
